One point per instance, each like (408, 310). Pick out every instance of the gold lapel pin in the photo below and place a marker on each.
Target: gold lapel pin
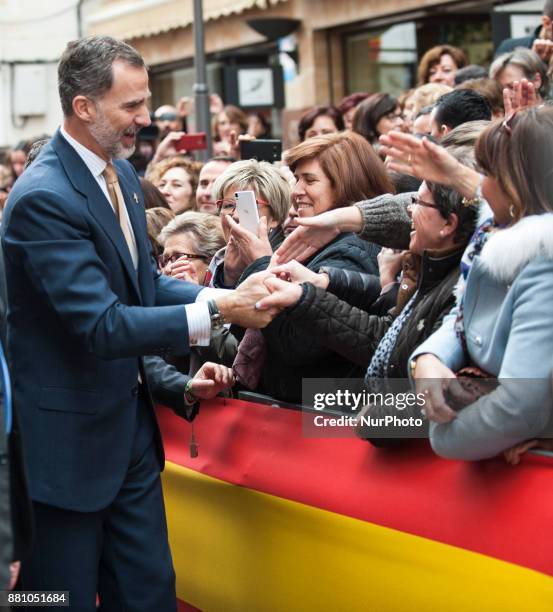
(135, 198)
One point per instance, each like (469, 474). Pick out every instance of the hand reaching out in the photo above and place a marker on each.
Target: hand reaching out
(294, 272)
(283, 294)
(240, 305)
(211, 379)
(420, 158)
(313, 234)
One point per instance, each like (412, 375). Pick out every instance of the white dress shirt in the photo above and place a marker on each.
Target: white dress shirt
(197, 314)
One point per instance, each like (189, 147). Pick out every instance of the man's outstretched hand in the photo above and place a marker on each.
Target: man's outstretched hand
(239, 306)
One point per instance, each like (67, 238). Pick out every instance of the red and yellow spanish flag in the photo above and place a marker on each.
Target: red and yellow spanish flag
(265, 519)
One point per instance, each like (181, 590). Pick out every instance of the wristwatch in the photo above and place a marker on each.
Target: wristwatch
(217, 319)
(189, 398)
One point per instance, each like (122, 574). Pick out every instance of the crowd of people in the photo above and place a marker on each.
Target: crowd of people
(407, 237)
(371, 281)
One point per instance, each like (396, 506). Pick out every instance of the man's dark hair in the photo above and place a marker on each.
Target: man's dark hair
(548, 9)
(461, 105)
(425, 110)
(472, 71)
(85, 68)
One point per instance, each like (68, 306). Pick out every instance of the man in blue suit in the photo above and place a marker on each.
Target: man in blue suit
(85, 302)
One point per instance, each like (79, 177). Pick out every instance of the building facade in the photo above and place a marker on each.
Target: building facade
(332, 48)
(337, 47)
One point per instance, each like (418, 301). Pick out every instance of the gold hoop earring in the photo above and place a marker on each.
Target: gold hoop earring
(512, 211)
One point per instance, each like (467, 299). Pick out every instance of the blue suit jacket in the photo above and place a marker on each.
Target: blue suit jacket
(79, 319)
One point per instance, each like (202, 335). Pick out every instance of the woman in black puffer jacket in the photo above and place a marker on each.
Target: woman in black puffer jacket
(356, 329)
(331, 171)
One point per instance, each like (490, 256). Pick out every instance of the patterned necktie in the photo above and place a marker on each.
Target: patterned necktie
(118, 202)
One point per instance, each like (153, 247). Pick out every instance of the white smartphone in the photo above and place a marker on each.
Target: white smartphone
(247, 210)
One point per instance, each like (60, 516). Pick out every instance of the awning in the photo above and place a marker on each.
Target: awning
(140, 18)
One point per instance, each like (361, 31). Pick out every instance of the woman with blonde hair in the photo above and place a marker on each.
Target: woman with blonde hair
(427, 95)
(177, 179)
(272, 193)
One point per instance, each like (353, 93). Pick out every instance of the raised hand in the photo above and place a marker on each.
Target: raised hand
(185, 106)
(520, 97)
(420, 158)
(166, 147)
(215, 104)
(314, 233)
(543, 47)
(183, 270)
(251, 247)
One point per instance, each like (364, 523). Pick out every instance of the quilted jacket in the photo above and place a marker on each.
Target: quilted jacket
(355, 333)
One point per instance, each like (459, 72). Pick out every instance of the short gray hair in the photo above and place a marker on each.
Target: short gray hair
(85, 68)
(528, 61)
(263, 178)
(205, 229)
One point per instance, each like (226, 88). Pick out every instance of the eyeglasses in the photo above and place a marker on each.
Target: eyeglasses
(507, 125)
(418, 202)
(163, 260)
(228, 206)
(166, 117)
(393, 116)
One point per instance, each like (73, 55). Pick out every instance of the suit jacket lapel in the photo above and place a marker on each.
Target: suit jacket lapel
(100, 208)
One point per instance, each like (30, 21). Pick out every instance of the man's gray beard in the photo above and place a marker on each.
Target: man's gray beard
(104, 136)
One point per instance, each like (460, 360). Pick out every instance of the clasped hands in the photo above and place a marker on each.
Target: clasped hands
(263, 295)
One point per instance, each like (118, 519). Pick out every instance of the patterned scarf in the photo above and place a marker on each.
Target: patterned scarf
(474, 248)
(379, 363)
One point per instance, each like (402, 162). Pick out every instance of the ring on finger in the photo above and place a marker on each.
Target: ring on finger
(409, 158)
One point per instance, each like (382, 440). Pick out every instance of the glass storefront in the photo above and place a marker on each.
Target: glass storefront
(173, 84)
(386, 59)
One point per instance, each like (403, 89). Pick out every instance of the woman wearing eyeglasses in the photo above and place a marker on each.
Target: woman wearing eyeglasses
(272, 193)
(503, 322)
(189, 243)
